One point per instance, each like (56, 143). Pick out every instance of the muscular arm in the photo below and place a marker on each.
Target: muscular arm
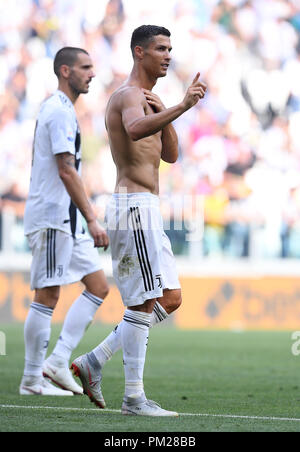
(169, 137)
(169, 140)
(137, 124)
(74, 186)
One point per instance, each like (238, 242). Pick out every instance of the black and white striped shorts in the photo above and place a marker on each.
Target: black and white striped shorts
(142, 257)
(59, 259)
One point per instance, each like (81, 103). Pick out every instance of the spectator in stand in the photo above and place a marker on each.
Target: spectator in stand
(246, 49)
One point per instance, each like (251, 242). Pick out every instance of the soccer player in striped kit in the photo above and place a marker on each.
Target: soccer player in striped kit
(141, 134)
(63, 253)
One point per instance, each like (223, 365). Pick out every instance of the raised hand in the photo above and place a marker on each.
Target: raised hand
(195, 92)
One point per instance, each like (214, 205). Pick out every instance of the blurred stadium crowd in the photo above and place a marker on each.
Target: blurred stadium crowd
(239, 149)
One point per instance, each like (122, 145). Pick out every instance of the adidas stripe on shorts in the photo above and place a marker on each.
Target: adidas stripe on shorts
(143, 261)
(59, 259)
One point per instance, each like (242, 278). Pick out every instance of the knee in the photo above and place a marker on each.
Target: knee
(48, 297)
(100, 292)
(177, 300)
(172, 301)
(105, 292)
(97, 284)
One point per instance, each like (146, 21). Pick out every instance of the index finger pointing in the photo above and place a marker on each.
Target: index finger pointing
(196, 78)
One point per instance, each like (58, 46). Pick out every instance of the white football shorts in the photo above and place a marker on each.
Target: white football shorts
(143, 261)
(59, 259)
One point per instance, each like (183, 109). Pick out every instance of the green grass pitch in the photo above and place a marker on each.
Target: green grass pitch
(219, 381)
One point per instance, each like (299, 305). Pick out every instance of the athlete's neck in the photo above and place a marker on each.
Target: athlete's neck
(140, 78)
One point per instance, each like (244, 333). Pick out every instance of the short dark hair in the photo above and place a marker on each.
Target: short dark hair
(144, 34)
(68, 56)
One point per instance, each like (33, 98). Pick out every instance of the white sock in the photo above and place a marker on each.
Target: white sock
(113, 342)
(158, 314)
(78, 319)
(37, 331)
(134, 333)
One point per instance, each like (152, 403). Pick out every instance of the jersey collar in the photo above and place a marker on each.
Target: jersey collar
(64, 98)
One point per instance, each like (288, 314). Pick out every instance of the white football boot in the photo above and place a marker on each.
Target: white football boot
(61, 376)
(89, 372)
(138, 405)
(40, 386)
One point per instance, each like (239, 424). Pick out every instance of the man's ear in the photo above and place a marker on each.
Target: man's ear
(64, 71)
(139, 52)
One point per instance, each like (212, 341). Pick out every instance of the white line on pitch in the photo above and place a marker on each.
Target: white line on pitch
(95, 410)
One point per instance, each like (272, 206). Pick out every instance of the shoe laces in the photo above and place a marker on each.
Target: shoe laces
(153, 404)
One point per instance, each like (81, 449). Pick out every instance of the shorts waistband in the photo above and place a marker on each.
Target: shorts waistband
(142, 198)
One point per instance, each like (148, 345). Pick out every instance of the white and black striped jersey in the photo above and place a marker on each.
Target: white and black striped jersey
(49, 204)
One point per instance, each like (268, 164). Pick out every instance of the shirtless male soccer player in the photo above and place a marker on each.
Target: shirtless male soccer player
(140, 134)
